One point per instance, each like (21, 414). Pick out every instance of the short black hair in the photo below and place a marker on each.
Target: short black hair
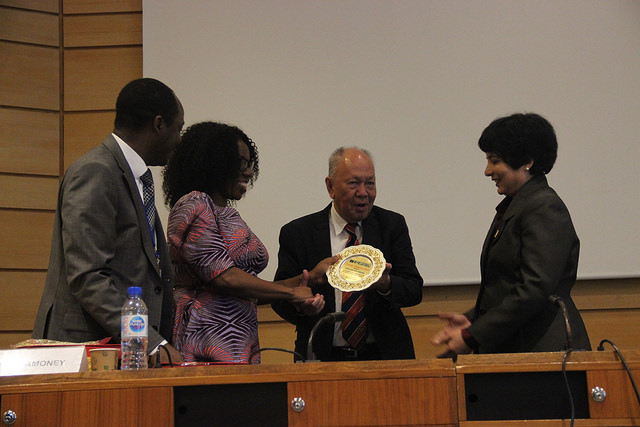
(520, 138)
(141, 100)
(207, 160)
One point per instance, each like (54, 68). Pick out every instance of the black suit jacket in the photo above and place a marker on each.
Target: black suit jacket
(305, 241)
(101, 245)
(533, 255)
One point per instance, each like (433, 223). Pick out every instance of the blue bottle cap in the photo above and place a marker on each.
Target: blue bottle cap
(134, 291)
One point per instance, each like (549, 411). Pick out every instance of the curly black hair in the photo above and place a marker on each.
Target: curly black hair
(519, 138)
(206, 160)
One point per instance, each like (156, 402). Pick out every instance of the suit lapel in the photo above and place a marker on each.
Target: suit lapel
(371, 234)
(134, 195)
(533, 185)
(321, 244)
(488, 240)
(516, 205)
(320, 234)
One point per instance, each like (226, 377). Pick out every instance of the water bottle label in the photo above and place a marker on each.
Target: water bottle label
(134, 326)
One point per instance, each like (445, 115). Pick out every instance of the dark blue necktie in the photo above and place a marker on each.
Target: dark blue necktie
(149, 202)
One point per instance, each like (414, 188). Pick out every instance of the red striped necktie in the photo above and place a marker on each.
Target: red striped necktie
(354, 325)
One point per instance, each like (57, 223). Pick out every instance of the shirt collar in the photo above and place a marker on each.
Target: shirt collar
(337, 221)
(137, 165)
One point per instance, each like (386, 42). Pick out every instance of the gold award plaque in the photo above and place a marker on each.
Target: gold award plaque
(359, 267)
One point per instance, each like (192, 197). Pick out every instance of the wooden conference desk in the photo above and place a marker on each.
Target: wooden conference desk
(476, 391)
(506, 389)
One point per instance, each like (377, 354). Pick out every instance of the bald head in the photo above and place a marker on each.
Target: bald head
(351, 183)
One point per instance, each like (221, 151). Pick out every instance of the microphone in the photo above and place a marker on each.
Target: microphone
(329, 318)
(556, 300)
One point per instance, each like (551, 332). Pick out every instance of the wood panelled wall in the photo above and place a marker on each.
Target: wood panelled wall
(610, 308)
(62, 63)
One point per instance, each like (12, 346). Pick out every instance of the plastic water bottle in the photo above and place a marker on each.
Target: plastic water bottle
(134, 331)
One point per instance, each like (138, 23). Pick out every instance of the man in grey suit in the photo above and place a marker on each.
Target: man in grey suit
(102, 242)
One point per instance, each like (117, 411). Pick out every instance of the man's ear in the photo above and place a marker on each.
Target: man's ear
(329, 184)
(159, 124)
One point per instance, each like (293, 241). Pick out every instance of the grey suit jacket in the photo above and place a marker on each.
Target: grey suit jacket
(305, 241)
(101, 245)
(534, 254)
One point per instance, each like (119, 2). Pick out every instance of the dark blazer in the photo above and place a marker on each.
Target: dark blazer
(305, 241)
(100, 246)
(533, 255)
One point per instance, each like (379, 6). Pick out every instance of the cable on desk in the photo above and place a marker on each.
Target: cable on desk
(624, 363)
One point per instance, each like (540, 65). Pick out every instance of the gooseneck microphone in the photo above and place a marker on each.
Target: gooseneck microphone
(329, 318)
(556, 300)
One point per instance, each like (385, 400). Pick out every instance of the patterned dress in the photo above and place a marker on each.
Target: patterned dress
(204, 241)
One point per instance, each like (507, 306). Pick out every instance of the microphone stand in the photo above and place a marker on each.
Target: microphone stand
(329, 318)
(556, 300)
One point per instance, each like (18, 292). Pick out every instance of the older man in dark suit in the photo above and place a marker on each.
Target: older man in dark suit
(104, 238)
(306, 241)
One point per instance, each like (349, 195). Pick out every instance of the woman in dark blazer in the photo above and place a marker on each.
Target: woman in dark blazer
(530, 254)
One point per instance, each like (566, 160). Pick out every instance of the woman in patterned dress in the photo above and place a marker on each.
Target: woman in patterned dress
(215, 254)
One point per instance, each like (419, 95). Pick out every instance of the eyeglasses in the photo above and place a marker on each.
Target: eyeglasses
(246, 164)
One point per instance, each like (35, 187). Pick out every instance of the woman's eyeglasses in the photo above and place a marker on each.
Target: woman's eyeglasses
(246, 164)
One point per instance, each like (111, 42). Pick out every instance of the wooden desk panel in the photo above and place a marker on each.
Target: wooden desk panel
(620, 401)
(384, 402)
(126, 407)
(603, 369)
(426, 392)
(412, 392)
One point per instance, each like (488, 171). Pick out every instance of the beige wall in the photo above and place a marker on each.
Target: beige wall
(62, 63)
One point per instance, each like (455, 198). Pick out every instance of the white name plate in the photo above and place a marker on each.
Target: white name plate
(43, 360)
